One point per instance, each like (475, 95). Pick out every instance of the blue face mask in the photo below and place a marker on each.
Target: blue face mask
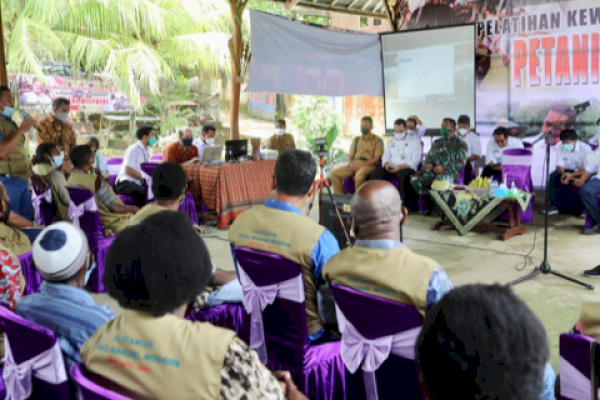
(57, 161)
(8, 111)
(597, 129)
(89, 273)
(152, 141)
(568, 147)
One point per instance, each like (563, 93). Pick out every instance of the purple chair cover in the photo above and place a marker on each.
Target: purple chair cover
(33, 279)
(516, 167)
(2, 387)
(127, 199)
(99, 244)
(349, 185)
(26, 341)
(383, 371)
(228, 316)
(588, 221)
(575, 366)
(43, 206)
(148, 168)
(157, 158)
(114, 165)
(317, 370)
(89, 390)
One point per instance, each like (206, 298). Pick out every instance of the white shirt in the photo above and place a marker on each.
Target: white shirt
(403, 149)
(575, 160)
(473, 143)
(494, 152)
(592, 164)
(420, 132)
(135, 155)
(200, 144)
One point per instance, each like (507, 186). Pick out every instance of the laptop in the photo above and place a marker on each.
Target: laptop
(212, 155)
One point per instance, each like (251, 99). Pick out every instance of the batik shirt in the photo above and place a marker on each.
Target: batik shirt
(449, 152)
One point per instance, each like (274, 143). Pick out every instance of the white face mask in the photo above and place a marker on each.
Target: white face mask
(597, 129)
(62, 116)
(463, 131)
(400, 135)
(280, 131)
(210, 142)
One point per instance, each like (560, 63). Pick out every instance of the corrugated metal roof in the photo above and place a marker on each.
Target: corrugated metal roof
(374, 8)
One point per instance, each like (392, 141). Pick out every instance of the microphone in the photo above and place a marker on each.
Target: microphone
(582, 106)
(27, 115)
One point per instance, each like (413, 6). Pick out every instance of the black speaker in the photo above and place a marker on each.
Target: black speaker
(329, 219)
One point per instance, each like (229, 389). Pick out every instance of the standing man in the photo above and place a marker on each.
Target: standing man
(400, 159)
(183, 150)
(471, 138)
(130, 179)
(365, 154)
(56, 130)
(207, 139)
(446, 157)
(281, 141)
(15, 169)
(501, 142)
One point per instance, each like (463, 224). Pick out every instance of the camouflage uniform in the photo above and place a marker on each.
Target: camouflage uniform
(449, 152)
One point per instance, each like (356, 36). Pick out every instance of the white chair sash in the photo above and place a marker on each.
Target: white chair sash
(148, 180)
(113, 169)
(517, 160)
(573, 384)
(47, 366)
(257, 298)
(357, 350)
(76, 211)
(36, 200)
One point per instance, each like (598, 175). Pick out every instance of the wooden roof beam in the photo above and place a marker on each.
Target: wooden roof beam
(366, 5)
(290, 4)
(333, 3)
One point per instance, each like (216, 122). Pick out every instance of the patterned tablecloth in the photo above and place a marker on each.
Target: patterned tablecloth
(231, 189)
(465, 210)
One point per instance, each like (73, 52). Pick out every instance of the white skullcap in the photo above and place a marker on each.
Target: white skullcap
(60, 251)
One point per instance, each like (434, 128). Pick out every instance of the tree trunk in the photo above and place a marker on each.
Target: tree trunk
(3, 76)
(236, 48)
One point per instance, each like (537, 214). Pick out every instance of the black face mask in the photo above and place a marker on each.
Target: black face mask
(4, 217)
(187, 142)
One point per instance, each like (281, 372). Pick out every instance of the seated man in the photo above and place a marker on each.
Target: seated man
(114, 215)
(168, 185)
(16, 232)
(415, 126)
(471, 138)
(570, 162)
(379, 264)
(281, 141)
(589, 182)
(446, 157)
(182, 151)
(303, 241)
(207, 139)
(154, 270)
(400, 159)
(63, 258)
(501, 142)
(365, 154)
(131, 177)
(47, 163)
(483, 342)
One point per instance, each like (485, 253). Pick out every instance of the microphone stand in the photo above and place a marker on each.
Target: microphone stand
(545, 267)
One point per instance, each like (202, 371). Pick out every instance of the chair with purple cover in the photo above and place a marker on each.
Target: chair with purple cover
(33, 367)
(274, 295)
(43, 206)
(114, 166)
(516, 167)
(349, 185)
(575, 366)
(33, 279)
(157, 158)
(89, 390)
(386, 349)
(84, 214)
(228, 316)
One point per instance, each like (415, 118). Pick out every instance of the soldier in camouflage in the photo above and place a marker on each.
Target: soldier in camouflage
(446, 157)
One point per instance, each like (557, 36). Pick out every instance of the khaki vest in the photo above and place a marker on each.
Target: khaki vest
(16, 163)
(395, 274)
(590, 319)
(14, 239)
(62, 209)
(281, 143)
(146, 211)
(111, 222)
(289, 235)
(159, 357)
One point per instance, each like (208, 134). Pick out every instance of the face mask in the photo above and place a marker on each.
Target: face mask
(152, 141)
(210, 142)
(57, 161)
(399, 135)
(445, 132)
(597, 129)
(187, 142)
(568, 147)
(280, 132)
(365, 131)
(88, 273)
(463, 131)
(8, 111)
(62, 116)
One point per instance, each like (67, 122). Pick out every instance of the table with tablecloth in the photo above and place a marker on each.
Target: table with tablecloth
(231, 189)
(467, 211)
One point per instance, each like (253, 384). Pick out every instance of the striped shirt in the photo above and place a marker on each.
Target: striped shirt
(68, 311)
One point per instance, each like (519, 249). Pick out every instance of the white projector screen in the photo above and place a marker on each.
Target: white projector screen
(429, 73)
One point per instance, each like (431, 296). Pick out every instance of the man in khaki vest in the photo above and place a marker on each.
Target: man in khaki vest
(379, 264)
(15, 169)
(365, 155)
(279, 227)
(114, 215)
(281, 141)
(16, 232)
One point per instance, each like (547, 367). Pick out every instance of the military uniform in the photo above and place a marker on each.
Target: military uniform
(448, 152)
(363, 148)
(281, 143)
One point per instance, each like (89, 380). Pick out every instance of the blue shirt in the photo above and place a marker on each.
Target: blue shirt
(327, 246)
(69, 312)
(439, 284)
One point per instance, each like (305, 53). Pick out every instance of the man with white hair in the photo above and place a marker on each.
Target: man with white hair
(62, 256)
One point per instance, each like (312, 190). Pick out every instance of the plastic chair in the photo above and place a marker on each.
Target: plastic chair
(114, 166)
(33, 279)
(364, 320)
(34, 367)
(43, 206)
(89, 390)
(317, 370)
(228, 316)
(576, 354)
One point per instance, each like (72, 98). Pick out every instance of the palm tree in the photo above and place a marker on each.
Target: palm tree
(135, 43)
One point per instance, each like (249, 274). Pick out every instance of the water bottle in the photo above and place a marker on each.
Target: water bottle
(493, 186)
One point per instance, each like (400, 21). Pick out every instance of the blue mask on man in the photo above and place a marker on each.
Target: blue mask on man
(568, 147)
(8, 111)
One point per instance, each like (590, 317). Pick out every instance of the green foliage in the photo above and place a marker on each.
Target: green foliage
(172, 117)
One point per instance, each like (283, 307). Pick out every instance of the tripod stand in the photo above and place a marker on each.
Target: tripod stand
(322, 182)
(545, 267)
